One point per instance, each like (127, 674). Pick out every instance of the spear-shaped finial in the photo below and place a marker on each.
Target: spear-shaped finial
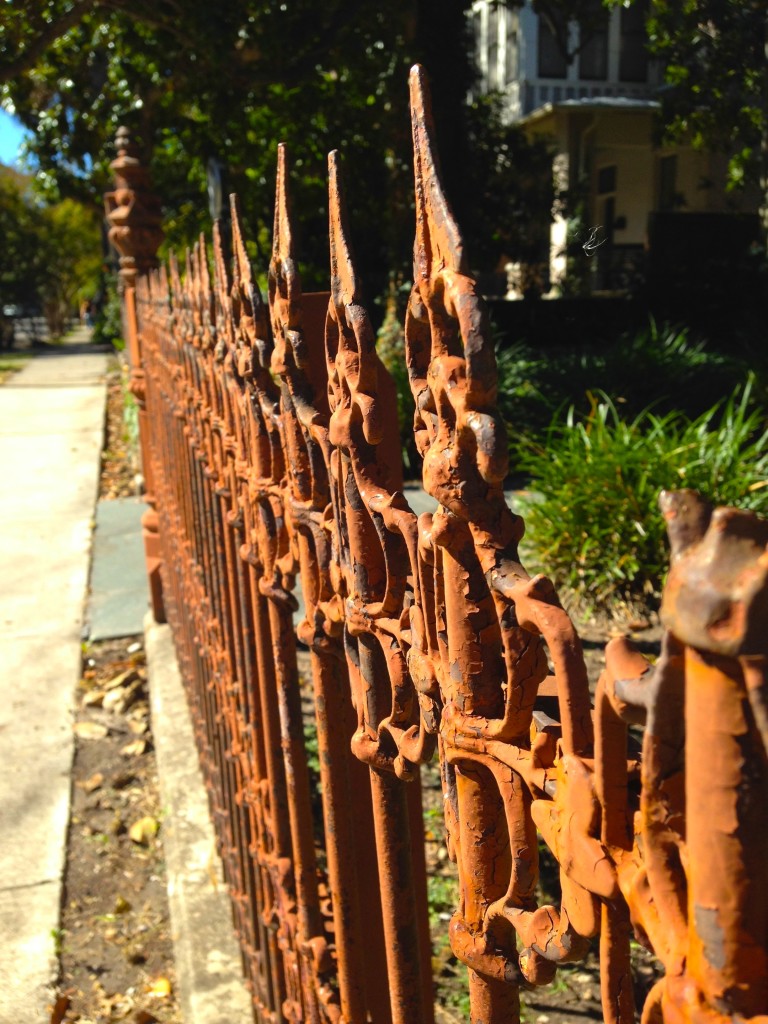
(438, 244)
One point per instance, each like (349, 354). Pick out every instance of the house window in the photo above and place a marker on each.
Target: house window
(510, 50)
(633, 55)
(593, 55)
(606, 179)
(668, 183)
(552, 34)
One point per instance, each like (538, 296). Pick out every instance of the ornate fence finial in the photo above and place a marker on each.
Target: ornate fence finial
(450, 357)
(133, 211)
(439, 244)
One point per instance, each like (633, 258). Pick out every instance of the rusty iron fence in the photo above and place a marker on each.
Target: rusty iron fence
(272, 461)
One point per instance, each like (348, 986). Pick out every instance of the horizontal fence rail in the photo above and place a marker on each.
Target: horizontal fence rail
(272, 461)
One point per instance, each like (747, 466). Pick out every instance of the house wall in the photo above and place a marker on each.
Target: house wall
(624, 142)
(594, 125)
(507, 53)
(700, 183)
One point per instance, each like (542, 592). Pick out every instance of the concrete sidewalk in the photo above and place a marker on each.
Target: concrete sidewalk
(51, 436)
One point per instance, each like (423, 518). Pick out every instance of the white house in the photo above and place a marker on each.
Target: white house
(592, 91)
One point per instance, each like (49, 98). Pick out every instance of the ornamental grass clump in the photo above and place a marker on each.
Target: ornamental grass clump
(595, 525)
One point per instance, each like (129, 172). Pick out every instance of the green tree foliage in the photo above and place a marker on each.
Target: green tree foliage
(195, 81)
(51, 254)
(21, 259)
(70, 243)
(510, 187)
(232, 80)
(716, 70)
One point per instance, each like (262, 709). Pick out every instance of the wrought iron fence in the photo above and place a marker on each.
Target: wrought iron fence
(271, 459)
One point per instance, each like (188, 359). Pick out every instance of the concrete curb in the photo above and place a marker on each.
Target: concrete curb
(211, 988)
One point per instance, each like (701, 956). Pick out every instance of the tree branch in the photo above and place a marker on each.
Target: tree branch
(47, 35)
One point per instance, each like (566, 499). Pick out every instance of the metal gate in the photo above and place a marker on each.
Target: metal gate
(272, 462)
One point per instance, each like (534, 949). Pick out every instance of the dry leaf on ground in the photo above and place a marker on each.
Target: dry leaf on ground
(144, 830)
(90, 730)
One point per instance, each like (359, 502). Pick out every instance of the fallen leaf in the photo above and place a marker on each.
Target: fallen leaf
(139, 710)
(138, 728)
(93, 698)
(160, 989)
(120, 680)
(113, 699)
(145, 1017)
(122, 906)
(92, 784)
(134, 748)
(144, 830)
(120, 698)
(90, 730)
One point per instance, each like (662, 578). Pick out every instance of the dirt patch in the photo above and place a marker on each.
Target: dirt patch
(116, 953)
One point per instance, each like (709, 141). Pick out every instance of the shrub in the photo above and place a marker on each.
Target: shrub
(108, 328)
(390, 345)
(595, 525)
(660, 365)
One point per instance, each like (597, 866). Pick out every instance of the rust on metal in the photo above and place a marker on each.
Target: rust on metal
(134, 217)
(267, 437)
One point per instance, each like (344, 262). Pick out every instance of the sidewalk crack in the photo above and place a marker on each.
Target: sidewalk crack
(27, 885)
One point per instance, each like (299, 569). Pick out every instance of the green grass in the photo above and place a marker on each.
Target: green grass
(595, 527)
(12, 362)
(442, 898)
(130, 418)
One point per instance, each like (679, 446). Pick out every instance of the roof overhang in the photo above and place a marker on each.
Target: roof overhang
(596, 104)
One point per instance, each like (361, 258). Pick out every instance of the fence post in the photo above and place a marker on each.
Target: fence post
(134, 216)
(715, 604)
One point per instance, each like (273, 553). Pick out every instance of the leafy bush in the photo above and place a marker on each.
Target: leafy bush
(108, 328)
(661, 365)
(595, 525)
(390, 345)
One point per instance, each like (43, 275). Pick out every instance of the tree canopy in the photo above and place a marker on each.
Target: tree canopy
(194, 81)
(716, 70)
(50, 258)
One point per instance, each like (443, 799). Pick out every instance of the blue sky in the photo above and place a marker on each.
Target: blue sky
(11, 136)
